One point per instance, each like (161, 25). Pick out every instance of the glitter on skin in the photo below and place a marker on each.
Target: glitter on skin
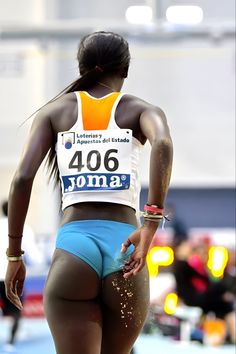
(126, 310)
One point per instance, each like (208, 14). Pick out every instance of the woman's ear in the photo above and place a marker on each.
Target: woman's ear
(124, 73)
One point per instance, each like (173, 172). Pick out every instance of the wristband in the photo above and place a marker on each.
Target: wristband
(153, 209)
(153, 219)
(14, 258)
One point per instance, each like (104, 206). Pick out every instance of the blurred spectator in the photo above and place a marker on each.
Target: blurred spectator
(32, 257)
(198, 260)
(230, 271)
(180, 230)
(196, 288)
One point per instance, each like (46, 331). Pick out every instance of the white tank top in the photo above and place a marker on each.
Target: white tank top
(98, 161)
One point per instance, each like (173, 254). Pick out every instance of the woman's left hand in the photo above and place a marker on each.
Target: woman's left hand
(141, 239)
(14, 282)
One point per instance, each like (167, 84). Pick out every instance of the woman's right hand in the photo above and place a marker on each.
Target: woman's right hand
(141, 239)
(14, 282)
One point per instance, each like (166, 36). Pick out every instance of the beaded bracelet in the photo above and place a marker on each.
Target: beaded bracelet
(153, 213)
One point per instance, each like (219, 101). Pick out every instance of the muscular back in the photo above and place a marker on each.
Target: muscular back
(64, 113)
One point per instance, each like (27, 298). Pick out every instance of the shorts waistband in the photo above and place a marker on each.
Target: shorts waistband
(94, 222)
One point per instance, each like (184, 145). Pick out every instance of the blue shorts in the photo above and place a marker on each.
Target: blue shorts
(97, 242)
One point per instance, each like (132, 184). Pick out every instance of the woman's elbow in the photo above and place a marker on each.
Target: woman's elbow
(21, 180)
(164, 144)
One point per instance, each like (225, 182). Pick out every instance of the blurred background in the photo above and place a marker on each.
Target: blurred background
(183, 60)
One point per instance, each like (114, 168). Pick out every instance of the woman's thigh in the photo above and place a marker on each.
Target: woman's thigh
(125, 306)
(71, 307)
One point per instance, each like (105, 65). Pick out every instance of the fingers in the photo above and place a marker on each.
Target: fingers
(15, 300)
(125, 245)
(130, 264)
(140, 266)
(131, 240)
(133, 267)
(11, 293)
(20, 287)
(129, 272)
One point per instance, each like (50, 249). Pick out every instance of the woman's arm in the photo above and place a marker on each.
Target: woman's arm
(40, 139)
(154, 127)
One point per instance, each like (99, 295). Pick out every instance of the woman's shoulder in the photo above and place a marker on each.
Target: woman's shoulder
(132, 99)
(138, 103)
(57, 108)
(64, 102)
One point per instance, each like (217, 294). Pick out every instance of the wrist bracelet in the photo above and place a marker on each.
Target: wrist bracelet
(153, 220)
(152, 216)
(153, 209)
(14, 258)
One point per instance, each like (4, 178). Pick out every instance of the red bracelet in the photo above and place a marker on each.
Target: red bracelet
(153, 209)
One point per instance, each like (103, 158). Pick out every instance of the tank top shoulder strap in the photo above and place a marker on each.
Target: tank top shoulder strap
(79, 122)
(112, 122)
(96, 113)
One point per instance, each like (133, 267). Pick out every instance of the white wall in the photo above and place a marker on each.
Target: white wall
(77, 9)
(195, 86)
(24, 88)
(12, 11)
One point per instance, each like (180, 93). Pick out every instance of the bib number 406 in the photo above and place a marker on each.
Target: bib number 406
(94, 160)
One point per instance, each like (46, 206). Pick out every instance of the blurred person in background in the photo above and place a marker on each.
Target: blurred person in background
(230, 271)
(195, 287)
(97, 292)
(32, 257)
(199, 256)
(180, 230)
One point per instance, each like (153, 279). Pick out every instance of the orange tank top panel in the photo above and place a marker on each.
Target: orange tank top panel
(96, 113)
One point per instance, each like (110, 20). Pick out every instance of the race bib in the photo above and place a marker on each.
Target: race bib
(94, 160)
